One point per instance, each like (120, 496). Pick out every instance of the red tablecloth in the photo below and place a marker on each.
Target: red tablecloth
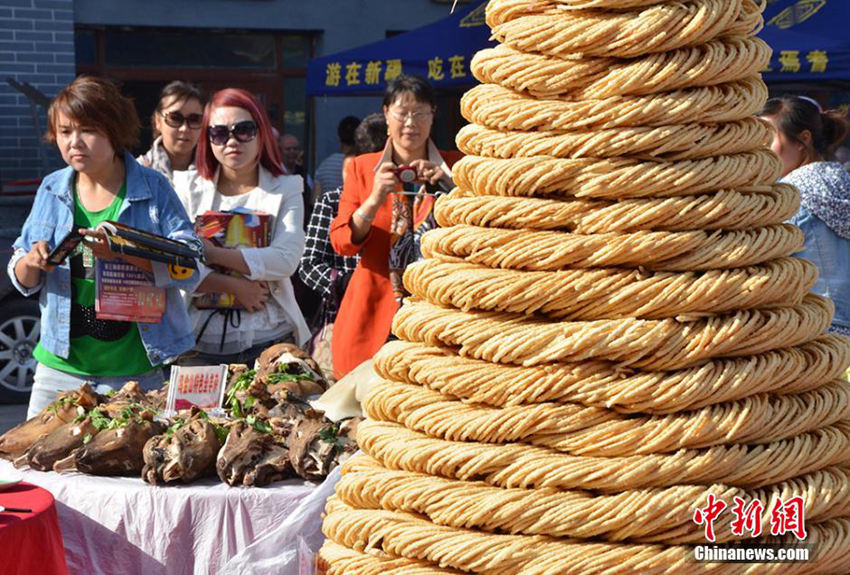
(30, 542)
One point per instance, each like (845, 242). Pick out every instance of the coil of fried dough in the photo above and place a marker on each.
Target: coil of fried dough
(644, 344)
(659, 251)
(791, 370)
(529, 467)
(335, 559)
(619, 178)
(407, 535)
(672, 142)
(613, 5)
(587, 294)
(716, 62)
(644, 516)
(726, 209)
(543, 27)
(501, 108)
(580, 430)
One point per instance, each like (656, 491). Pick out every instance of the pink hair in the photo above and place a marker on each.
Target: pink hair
(269, 156)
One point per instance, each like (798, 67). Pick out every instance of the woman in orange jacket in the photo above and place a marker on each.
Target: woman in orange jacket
(381, 224)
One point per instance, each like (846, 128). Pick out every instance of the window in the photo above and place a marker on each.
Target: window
(295, 114)
(189, 49)
(85, 47)
(270, 65)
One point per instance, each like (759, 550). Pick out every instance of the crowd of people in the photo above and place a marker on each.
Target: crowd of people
(341, 240)
(342, 235)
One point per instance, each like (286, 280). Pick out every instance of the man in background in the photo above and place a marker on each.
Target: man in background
(292, 154)
(329, 172)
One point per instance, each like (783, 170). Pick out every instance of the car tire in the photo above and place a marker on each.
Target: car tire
(20, 321)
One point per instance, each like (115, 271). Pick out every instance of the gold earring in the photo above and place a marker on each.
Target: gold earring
(388, 131)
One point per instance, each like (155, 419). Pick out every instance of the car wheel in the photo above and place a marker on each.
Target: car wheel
(19, 331)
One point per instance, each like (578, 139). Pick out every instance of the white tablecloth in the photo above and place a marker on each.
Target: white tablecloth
(121, 525)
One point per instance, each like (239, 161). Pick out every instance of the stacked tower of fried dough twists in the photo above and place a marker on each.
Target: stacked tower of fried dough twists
(610, 325)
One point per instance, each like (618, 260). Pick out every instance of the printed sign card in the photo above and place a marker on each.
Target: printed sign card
(123, 292)
(202, 386)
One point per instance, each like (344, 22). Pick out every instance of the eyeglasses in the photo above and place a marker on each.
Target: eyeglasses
(418, 117)
(242, 131)
(176, 120)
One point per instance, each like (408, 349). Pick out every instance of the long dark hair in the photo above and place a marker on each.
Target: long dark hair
(794, 115)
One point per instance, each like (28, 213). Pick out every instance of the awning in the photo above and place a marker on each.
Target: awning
(809, 39)
(439, 52)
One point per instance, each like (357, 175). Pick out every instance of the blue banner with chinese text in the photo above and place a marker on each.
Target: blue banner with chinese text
(809, 38)
(439, 52)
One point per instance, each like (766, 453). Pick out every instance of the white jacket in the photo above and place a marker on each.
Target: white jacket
(281, 197)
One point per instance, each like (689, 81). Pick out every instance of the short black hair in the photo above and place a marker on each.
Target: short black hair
(371, 134)
(416, 85)
(345, 130)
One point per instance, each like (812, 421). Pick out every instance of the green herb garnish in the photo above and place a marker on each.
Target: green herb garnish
(329, 433)
(260, 425)
(221, 432)
(243, 382)
(174, 427)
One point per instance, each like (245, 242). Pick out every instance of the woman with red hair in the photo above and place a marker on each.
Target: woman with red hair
(239, 168)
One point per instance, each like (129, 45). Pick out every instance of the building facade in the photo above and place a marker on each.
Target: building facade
(260, 45)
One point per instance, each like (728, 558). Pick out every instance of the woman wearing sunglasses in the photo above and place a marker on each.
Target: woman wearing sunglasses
(239, 167)
(93, 126)
(176, 127)
(382, 212)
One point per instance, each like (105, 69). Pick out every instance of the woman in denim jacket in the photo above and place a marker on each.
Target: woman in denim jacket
(93, 126)
(805, 139)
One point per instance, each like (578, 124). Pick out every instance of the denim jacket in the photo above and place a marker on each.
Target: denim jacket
(150, 204)
(824, 217)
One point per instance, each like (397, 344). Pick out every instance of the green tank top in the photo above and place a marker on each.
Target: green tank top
(88, 355)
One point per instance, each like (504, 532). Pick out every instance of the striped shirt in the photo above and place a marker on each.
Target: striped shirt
(329, 172)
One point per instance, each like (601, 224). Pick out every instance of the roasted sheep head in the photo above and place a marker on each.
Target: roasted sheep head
(273, 466)
(316, 445)
(17, 440)
(155, 399)
(59, 444)
(117, 450)
(129, 394)
(252, 456)
(286, 366)
(185, 452)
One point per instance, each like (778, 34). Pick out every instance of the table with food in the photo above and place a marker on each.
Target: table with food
(179, 491)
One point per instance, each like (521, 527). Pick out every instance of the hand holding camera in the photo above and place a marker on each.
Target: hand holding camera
(432, 175)
(407, 174)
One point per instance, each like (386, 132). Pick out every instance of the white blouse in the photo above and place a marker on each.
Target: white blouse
(281, 197)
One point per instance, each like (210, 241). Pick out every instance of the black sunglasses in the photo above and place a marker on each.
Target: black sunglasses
(176, 119)
(242, 131)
